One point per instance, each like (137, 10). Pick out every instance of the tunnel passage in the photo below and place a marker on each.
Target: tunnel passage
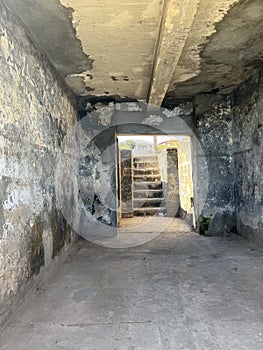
(44, 202)
(98, 132)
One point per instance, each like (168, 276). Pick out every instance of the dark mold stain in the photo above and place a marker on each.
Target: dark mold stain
(114, 78)
(57, 128)
(36, 246)
(61, 231)
(88, 88)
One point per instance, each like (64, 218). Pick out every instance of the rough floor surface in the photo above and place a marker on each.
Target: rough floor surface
(179, 291)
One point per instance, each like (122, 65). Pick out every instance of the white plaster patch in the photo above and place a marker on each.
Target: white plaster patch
(153, 120)
(8, 228)
(129, 107)
(2, 165)
(4, 45)
(2, 141)
(25, 197)
(105, 116)
(12, 200)
(169, 114)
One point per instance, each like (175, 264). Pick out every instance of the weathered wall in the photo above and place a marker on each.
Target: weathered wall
(248, 158)
(214, 123)
(183, 146)
(97, 172)
(168, 162)
(230, 132)
(173, 196)
(126, 173)
(35, 113)
(185, 170)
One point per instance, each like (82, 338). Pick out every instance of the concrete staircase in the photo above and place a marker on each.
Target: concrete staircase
(148, 196)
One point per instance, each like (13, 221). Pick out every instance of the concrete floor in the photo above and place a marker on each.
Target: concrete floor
(179, 291)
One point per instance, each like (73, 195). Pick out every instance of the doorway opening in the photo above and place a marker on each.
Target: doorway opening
(154, 178)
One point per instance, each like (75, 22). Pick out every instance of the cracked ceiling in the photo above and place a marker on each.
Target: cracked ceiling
(149, 49)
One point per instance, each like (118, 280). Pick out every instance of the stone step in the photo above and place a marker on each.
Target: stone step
(147, 177)
(146, 156)
(148, 204)
(143, 165)
(145, 159)
(148, 211)
(147, 185)
(146, 171)
(145, 193)
(148, 200)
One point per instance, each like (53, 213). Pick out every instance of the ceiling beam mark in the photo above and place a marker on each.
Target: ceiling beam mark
(177, 20)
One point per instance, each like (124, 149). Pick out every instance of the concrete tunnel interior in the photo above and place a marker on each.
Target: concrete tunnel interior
(131, 174)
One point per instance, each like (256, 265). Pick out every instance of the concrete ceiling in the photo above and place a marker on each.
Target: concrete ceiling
(148, 49)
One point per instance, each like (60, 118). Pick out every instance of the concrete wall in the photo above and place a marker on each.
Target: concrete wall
(248, 158)
(214, 124)
(126, 183)
(185, 171)
(173, 197)
(185, 176)
(97, 172)
(168, 162)
(230, 132)
(35, 113)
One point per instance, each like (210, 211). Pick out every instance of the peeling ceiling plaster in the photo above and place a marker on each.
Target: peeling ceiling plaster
(104, 48)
